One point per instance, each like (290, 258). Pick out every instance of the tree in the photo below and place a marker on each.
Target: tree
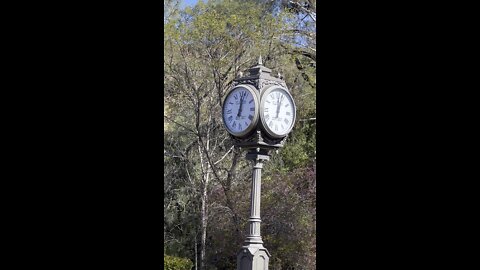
(170, 9)
(302, 31)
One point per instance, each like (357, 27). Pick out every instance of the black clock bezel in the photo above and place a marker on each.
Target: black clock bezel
(254, 122)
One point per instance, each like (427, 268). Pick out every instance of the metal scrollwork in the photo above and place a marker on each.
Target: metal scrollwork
(242, 81)
(264, 83)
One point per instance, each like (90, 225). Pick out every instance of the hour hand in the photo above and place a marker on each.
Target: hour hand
(240, 107)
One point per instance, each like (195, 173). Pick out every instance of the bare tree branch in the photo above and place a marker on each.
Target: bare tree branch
(308, 119)
(229, 150)
(173, 121)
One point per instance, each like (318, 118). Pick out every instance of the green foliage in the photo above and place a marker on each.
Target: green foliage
(176, 263)
(300, 149)
(288, 218)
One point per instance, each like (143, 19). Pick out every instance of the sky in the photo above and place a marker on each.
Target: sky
(185, 3)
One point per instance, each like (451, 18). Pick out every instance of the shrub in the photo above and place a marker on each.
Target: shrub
(176, 263)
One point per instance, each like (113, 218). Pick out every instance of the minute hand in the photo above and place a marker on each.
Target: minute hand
(241, 104)
(279, 104)
(240, 107)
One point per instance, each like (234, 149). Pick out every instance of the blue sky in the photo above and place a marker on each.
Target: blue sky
(185, 3)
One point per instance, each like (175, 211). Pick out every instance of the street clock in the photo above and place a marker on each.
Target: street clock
(258, 112)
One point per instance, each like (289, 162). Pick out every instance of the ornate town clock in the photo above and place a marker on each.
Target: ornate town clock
(258, 112)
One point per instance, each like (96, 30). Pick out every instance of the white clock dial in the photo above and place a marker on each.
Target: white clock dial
(277, 111)
(240, 110)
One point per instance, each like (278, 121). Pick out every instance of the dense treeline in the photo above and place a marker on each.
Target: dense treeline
(207, 180)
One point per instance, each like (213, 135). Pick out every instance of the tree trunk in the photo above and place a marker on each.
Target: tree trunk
(196, 252)
(231, 175)
(204, 210)
(203, 228)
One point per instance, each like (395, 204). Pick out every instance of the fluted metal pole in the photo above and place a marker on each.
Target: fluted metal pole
(253, 254)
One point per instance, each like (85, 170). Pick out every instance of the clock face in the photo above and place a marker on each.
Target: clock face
(240, 110)
(277, 111)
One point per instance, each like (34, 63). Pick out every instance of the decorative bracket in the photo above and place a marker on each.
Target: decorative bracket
(259, 140)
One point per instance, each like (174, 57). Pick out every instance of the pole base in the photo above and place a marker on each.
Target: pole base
(253, 257)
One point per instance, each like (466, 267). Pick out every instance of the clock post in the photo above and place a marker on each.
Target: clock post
(267, 132)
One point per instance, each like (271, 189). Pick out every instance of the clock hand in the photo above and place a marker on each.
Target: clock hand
(240, 107)
(243, 101)
(278, 107)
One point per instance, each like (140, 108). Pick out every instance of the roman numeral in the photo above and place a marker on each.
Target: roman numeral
(287, 113)
(239, 126)
(250, 101)
(287, 105)
(246, 124)
(267, 116)
(230, 119)
(235, 96)
(250, 117)
(252, 109)
(270, 124)
(229, 111)
(266, 110)
(286, 121)
(234, 124)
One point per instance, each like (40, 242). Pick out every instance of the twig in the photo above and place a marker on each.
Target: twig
(309, 119)
(229, 150)
(173, 121)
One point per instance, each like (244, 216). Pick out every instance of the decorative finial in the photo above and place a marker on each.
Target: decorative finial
(260, 62)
